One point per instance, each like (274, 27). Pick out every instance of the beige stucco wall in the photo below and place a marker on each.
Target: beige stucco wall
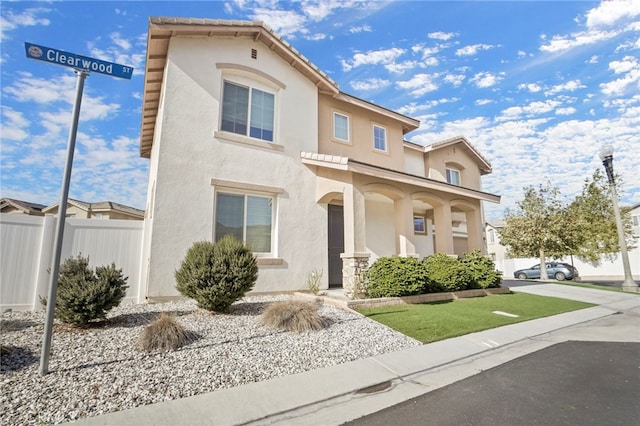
(414, 162)
(437, 162)
(189, 152)
(360, 145)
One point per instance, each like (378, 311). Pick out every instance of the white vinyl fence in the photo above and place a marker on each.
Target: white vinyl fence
(26, 251)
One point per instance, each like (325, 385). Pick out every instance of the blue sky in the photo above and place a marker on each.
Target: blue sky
(538, 87)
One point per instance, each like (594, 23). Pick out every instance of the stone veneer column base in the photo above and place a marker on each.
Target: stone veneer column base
(354, 274)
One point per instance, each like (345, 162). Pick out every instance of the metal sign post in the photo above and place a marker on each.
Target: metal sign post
(82, 65)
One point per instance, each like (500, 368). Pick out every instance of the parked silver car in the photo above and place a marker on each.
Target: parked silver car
(559, 271)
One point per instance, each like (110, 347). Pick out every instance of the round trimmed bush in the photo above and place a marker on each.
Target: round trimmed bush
(217, 274)
(396, 276)
(84, 295)
(446, 273)
(482, 269)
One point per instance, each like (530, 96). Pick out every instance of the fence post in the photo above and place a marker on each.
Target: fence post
(44, 261)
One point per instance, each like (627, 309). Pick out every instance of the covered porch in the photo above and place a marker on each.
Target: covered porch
(374, 212)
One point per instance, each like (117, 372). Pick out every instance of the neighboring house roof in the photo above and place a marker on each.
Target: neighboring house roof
(485, 166)
(498, 224)
(25, 207)
(100, 207)
(161, 29)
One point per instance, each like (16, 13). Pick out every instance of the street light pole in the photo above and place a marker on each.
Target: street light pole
(606, 155)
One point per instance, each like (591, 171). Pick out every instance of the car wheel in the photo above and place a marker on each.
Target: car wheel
(560, 276)
(522, 276)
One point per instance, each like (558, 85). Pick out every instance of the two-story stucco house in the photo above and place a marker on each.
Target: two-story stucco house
(246, 136)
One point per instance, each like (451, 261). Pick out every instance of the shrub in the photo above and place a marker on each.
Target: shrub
(482, 270)
(446, 273)
(164, 334)
(292, 315)
(314, 278)
(84, 295)
(217, 274)
(396, 276)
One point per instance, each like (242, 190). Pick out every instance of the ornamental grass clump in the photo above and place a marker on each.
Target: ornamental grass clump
(164, 334)
(217, 274)
(84, 295)
(293, 315)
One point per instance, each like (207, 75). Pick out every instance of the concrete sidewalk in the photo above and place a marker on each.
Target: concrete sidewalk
(344, 392)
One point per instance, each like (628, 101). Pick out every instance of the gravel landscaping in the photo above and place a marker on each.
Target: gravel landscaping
(100, 370)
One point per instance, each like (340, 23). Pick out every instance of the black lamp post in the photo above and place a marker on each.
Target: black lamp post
(606, 155)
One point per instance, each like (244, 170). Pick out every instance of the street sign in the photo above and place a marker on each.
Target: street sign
(79, 62)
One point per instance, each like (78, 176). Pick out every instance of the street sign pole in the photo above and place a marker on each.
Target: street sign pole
(62, 212)
(82, 66)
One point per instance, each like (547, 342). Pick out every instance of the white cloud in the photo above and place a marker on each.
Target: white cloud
(285, 23)
(374, 57)
(481, 102)
(454, 79)
(607, 20)
(440, 35)
(419, 84)
(610, 13)
(317, 36)
(10, 21)
(630, 68)
(473, 49)
(117, 39)
(565, 111)
(370, 84)
(531, 87)
(486, 79)
(14, 125)
(533, 109)
(569, 86)
(400, 67)
(360, 29)
(593, 60)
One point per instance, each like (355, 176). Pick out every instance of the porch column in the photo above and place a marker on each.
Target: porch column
(444, 232)
(403, 218)
(355, 259)
(474, 231)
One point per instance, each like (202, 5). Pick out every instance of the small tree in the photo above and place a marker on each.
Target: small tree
(596, 234)
(540, 227)
(217, 274)
(84, 295)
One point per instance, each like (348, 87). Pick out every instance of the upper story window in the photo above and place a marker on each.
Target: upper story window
(249, 218)
(248, 111)
(453, 176)
(340, 127)
(379, 138)
(492, 236)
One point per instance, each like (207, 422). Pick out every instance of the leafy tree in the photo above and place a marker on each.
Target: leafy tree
(592, 211)
(539, 227)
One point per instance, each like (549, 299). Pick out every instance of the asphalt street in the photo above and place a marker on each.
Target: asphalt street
(569, 383)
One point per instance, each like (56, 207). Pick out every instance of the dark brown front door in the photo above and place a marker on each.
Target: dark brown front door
(336, 244)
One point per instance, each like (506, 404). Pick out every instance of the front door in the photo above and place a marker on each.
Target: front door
(336, 244)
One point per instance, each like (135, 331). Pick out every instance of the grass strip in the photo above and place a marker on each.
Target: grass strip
(431, 322)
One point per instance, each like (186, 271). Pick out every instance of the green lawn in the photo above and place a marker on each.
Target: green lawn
(431, 322)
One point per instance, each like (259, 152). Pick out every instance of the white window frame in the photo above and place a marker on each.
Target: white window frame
(416, 227)
(245, 194)
(335, 136)
(450, 171)
(251, 87)
(384, 129)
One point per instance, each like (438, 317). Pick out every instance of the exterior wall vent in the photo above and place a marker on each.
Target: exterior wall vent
(254, 54)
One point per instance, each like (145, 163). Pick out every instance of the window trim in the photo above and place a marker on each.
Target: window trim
(459, 174)
(334, 136)
(386, 138)
(249, 189)
(251, 85)
(424, 224)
